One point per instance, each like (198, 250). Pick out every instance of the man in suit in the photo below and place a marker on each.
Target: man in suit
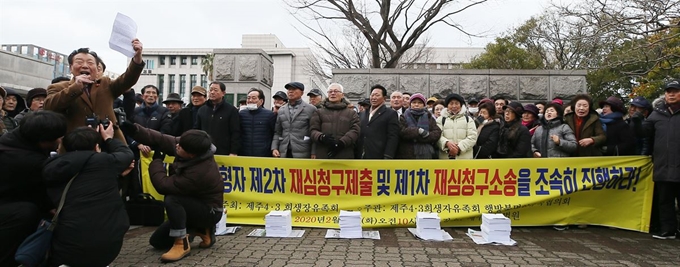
(87, 94)
(379, 135)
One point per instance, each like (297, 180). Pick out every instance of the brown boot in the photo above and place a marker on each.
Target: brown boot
(178, 251)
(208, 237)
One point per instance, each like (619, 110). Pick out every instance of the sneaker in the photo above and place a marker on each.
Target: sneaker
(665, 235)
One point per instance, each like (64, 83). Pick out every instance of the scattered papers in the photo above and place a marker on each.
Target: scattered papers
(478, 239)
(278, 223)
(123, 32)
(350, 224)
(428, 226)
(263, 233)
(229, 230)
(221, 226)
(445, 236)
(335, 233)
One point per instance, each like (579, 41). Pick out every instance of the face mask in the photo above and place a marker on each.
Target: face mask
(242, 108)
(251, 106)
(473, 110)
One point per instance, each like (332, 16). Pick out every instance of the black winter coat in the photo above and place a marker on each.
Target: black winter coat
(663, 131)
(21, 172)
(154, 117)
(515, 141)
(185, 120)
(93, 220)
(223, 125)
(487, 140)
(379, 137)
(620, 139)
(257, 128)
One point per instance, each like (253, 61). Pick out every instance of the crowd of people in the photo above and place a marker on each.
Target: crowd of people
(100, 136)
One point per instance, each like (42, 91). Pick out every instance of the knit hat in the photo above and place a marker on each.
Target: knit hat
(558, 101)
(485, 100)
(419, 96)
(615, 103)
(454, 97)
(515, 107)
(34, 93)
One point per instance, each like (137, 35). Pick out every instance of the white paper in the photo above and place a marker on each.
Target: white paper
(445, 236)
(263, 233)
(123, 32)
(229, 230)
(476, 236)
(335, 233)
(221, 226)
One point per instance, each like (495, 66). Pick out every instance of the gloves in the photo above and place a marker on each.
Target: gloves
(423, 133)
(335, 149)
(128, 128)
(327, 139)
(157, 154)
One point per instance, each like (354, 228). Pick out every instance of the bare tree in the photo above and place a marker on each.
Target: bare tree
(389, 28)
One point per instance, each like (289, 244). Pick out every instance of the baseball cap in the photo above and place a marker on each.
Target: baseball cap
(473, 100)
(297, 85)
(673, 84)
(199, 89)
(281, 95)
(315, 92)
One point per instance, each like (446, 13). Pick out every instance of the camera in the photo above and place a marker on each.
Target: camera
(94, 121)
(120, 115)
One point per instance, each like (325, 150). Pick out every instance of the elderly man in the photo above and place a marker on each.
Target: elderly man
(89, 95)
(334, 127)
(662, 131)
(280, 99)
(395, 103)
(174, 104)
(379, 135)
(221, 121)
(291, 134)
(187, 117)
(257, 126)
(405, 101)
(315, 97)
(35, 100)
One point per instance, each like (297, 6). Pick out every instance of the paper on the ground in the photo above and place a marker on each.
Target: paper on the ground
(221, 226)
(478, 239)
(445, 235)
(263, 233)
(335, 233)
(123, 32)
(229, 230)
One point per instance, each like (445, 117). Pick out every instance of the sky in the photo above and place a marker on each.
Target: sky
(65, 25)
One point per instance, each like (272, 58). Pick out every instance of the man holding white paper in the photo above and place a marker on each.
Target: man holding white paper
(88, 95)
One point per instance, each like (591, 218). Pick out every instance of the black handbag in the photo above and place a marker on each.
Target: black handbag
(144, 209)
(35, 248)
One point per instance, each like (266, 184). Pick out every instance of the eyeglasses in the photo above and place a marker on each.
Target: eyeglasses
(334, 92)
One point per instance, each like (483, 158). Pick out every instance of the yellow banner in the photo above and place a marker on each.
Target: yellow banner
(609, 191)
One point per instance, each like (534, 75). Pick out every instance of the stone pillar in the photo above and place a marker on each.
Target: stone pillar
(241, 69)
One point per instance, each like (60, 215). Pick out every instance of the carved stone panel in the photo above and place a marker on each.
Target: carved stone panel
(355, 86)
(442, 85)
(248, 66)
(387, 81)
(267, 72)
(474, 85)
(534, 87)
(566, 87)
(504, 86)
(414, 84)
(224, 67)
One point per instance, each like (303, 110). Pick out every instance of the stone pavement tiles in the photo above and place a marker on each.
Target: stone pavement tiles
(537, 246)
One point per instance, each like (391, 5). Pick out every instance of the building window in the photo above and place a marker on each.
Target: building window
(182, 84)
(192, 81)
(171, 89)
(149, 64)
(194, 60)
(229, 98)
(161, 84)
(239, 97)
(183, 60)
(161, 60)
(173, 60)
(204, 81)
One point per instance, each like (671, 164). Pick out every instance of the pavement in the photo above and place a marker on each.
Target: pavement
(536, 246)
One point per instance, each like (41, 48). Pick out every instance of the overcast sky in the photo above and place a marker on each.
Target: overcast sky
(63, 26)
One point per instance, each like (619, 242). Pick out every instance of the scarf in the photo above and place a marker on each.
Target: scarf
(609, 118)
(419, 118)
(578, 124)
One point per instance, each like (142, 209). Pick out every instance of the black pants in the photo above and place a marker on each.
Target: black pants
(183, 213)
(667, 194)
(19, 220)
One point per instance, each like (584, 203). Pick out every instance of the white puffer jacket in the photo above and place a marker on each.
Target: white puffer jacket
(459, 129)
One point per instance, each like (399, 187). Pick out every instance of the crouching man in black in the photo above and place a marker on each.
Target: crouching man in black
(193, 191)
(93, 220)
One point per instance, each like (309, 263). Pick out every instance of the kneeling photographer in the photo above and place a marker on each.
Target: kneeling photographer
(193, 190)
(93, 220)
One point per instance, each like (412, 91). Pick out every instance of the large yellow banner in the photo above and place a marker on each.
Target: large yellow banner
(609, 191)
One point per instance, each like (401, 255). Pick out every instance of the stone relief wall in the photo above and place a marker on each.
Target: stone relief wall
(523, 85)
